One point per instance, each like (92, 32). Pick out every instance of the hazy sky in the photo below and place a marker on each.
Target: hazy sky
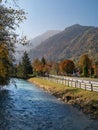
(46, 15)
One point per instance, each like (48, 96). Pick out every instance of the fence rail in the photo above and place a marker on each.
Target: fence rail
(77, 83)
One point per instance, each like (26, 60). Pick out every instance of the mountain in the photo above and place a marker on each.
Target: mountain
(41, 38)
(70, 43)
(33, 43)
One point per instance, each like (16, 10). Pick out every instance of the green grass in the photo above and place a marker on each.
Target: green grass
(87, 100)
(61, 88)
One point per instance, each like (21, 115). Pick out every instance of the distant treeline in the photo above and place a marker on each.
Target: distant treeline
(85, 67)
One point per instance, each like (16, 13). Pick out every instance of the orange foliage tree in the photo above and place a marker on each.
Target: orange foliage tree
(4, 65)
(41, 67)
(54, 68)
(66, 67)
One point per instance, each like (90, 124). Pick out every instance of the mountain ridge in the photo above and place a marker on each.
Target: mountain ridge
(72, 42)
(33, 43)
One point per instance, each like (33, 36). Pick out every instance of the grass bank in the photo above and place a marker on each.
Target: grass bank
(86, 101)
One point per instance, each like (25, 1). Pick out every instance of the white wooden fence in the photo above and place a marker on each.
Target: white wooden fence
(72, 82)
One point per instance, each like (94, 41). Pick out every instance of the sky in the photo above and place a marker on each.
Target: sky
(46, 15)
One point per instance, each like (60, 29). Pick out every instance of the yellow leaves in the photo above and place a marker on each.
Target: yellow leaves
(1, 27)
(3, 52)
(3, 58)
(84, 60)
(3, 70)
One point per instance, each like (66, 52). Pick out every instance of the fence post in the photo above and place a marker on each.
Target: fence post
(57, 80)
(85, 86)
(62, 80)
(71, 82)
(80, 84)
(91, 87)
(68, 82)
(75, 83)
(65, 81)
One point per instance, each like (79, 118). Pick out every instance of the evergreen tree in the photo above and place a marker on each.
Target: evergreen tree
(20, 70)
(24, 68)
(43, 61)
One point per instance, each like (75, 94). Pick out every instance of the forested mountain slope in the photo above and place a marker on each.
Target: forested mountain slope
(70, 43)
(20, 49)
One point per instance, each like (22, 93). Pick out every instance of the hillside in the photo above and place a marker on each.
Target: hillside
(41, 38)
(70, 43)
(33, 43)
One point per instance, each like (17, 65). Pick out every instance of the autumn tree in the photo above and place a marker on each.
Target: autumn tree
(96, 69)
(4, 65)
(37, 66)
(66, 67)
(41, 67)
(9, 20)
(47, 69)
(85, 65)
(54, 68)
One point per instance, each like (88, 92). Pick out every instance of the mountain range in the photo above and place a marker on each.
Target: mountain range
(70, 43)
(33, 43)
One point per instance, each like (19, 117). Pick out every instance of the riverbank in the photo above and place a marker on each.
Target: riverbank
(84, 100)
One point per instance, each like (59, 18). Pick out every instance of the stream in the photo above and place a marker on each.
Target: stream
(24, 106)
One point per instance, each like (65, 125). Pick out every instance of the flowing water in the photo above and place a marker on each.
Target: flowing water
(27, 107)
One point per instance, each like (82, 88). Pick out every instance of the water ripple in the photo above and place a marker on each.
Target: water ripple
(29, 108)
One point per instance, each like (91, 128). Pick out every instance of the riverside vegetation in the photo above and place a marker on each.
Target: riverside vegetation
(84, 100)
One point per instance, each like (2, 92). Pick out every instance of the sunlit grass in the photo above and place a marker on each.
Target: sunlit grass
(86, 100)
(62, 89)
